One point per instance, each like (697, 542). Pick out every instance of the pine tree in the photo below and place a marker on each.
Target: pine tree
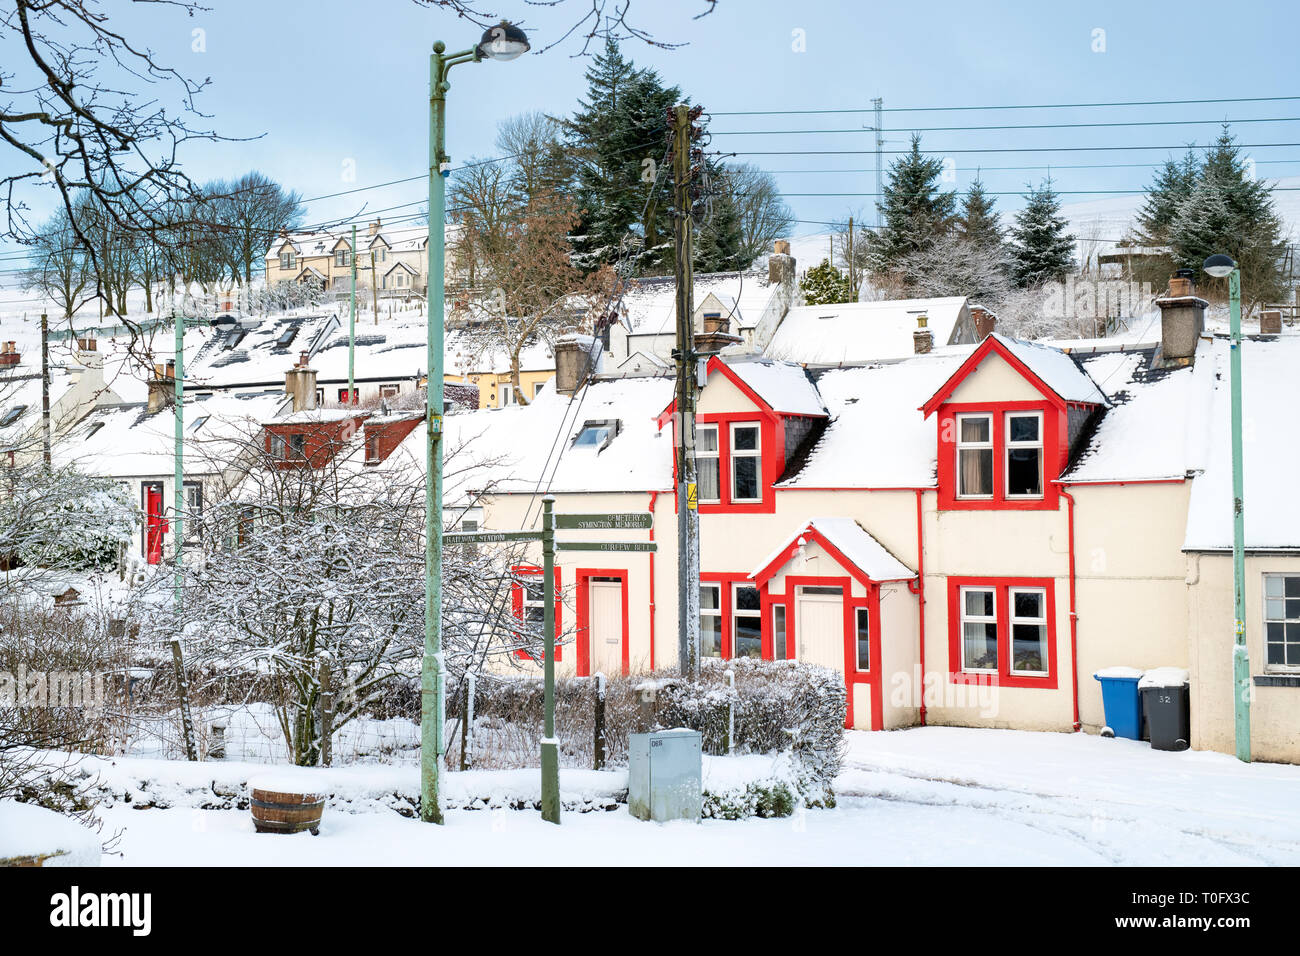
(719, 237)
(915, 211)
(1041, 249)
(1173, 184)
(978, 222)
(620, 124)
(825, 285)
(1229, 211)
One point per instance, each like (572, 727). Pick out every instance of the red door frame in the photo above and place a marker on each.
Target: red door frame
(583, 638)
(851, 603)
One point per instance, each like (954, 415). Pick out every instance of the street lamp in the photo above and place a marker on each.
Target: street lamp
(1221, 266)
(501, 42)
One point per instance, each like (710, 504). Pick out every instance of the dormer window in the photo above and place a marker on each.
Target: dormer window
(746, 462)
(372, 448)
(286, 260)
(707, 464)
(341, 257)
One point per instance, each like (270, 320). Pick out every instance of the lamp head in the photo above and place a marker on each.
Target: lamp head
(505, 41)
(1219, 265)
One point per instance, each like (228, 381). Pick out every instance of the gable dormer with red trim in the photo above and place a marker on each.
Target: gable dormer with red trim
(381, 436)
(751, 416)
(1005, 423)
(307, 441)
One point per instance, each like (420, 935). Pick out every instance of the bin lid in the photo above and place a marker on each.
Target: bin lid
(1118, 673)
(1164, 677)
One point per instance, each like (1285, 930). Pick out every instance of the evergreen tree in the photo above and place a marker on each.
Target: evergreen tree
(1228, 211)
(620, 124)
(1173, 184)
(825, 285)
(978, 222)
(915, 211)
(1041, 249)
(719, 236)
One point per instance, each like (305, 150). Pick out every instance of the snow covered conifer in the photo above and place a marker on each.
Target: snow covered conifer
(1041, 248)
(914, 211)
(825, 285)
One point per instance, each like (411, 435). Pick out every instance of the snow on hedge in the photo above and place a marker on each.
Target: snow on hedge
(31, 831)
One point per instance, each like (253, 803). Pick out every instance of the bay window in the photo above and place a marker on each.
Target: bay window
(746, 460)
(974, 456)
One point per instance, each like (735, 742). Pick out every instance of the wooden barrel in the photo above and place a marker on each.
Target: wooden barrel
(278, 811)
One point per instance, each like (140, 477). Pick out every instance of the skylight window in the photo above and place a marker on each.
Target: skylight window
(12, 415)
(93, 430)
(596, 435)
(234, 337)
(198, 423)
(286, 337)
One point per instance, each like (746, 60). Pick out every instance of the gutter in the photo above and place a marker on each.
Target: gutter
(919, 591)
(654, 497)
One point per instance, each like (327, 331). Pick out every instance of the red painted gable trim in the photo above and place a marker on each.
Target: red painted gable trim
(991, 344)
(810, 531)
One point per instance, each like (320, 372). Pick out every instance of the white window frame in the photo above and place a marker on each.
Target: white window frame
(857, 629)
(754, 614)
(286, 261)
(714, 455)
(1013, 620)
(1284, 620)
(960, 445)
(527, 578)
(1009, 445)
(279, 446)
(783, 652)
(712, 612)
(506, 394)
(964, 619)
(755, 453)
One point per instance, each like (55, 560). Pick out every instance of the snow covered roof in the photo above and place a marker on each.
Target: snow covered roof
(127, 441)
(463, 358)
(854, 542)
(1055, 368)
(855, 332)
(1150, 431)
(306, 244)
(1270, 394)
(510, 449)
(650, 307)
(876, 437)
(785, 387)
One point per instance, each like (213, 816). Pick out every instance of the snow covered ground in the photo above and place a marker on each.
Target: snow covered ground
(925, 796)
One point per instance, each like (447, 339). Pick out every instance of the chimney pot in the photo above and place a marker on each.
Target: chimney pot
(1179, 285)
(781, 247)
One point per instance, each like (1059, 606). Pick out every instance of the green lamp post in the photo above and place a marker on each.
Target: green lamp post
(1221, 266)
(501, 42)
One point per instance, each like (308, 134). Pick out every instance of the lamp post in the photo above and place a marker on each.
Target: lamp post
(1221, 266)
(501, 42)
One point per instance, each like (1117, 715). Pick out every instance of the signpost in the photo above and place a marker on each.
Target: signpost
(551, 521)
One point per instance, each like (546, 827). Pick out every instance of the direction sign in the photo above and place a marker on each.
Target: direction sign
(488, 537)
(605, 522)
(606, 546)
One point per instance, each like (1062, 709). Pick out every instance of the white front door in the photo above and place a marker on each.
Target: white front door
(605, 625)
(819, 629)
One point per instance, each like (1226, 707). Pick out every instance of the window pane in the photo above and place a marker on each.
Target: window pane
(1274, 609)
(745, 438)
(1293, 609)
(707, 469)
(778, 631)
(1292, 587)
(975, 430)
(1027, 604)
(1276, 636)
(980, 646)
(976, 471)
(1023, 428)
(710, 635)
(1273, 586)
(747, 599)
(864, 639)
(1024, 477)
(706, 439)
(744, 478)
(1029, 648)
(979, 603)
(748, 636)
(709, 596)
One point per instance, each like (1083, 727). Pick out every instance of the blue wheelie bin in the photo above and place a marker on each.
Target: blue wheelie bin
(1121, 700)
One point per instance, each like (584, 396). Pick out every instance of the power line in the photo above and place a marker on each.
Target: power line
(951, 129)
(992, 149)
(1017, 106)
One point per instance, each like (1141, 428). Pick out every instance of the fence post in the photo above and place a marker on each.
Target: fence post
(326, 714)
(598, 744)
(467, 723)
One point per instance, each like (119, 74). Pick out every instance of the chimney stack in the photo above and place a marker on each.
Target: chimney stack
(575, 358)
(374, 227)
(985, 322)
(922, 338)
(300, 385)
(1182, 318)
(1270, 322)
(780, 264)
(9, 355)
(162, 387)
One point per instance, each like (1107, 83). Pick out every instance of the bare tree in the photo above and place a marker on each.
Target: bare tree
(253, 209)
(60, 270)
(762, 212)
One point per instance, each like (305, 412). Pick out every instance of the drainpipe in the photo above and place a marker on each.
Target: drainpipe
(1074, 614)
(654, 496)
(919, 591)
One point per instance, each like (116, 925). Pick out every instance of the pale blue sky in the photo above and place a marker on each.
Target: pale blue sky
(336, 82)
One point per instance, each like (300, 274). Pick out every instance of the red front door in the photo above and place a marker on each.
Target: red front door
(155, 525)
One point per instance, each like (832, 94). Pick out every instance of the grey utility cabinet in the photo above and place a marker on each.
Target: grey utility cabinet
(664, 775)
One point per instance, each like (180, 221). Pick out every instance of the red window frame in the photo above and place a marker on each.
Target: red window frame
(1055, 439)
(1001, 588)
(517, 604)
(343, 396)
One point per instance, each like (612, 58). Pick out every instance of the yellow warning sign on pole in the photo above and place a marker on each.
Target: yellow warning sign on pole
(692, 499)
